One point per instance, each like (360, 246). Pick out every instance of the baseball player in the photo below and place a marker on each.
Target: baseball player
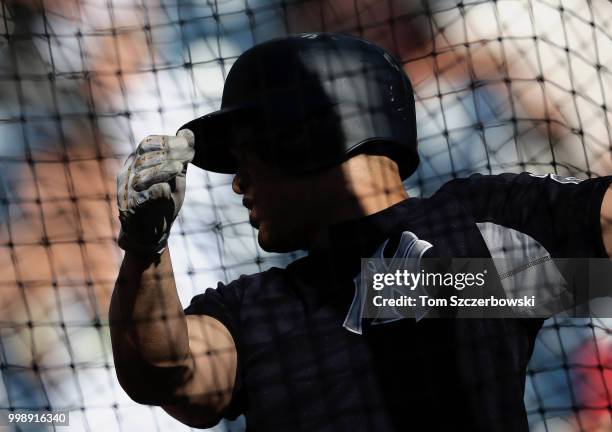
(319, 131)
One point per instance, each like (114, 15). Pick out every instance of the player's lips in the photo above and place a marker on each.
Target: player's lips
(248, 203)
(253, 219)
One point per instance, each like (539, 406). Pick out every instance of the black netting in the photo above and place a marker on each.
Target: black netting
(500, 86)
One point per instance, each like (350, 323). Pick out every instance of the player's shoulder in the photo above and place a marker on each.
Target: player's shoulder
(246, 291)
(486, 183)
(477, 180)
(271, 282)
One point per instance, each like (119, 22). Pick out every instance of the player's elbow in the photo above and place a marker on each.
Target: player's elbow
(194, 415)
(136, 387)
(151, 385)
(206, 424)
(141, 396)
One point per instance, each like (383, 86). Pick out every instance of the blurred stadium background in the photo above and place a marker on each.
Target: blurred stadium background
(506, 85)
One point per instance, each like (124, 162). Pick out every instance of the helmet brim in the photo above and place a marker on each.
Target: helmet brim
(215, 138)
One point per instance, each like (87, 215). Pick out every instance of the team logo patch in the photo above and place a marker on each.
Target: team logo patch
(410, 250)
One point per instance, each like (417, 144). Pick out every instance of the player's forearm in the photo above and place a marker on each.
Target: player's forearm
(148, 329)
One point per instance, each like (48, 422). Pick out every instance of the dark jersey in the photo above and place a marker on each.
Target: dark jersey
(299, 369)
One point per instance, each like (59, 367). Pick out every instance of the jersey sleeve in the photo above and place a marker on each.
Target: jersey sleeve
(561, 213)
(223, 304)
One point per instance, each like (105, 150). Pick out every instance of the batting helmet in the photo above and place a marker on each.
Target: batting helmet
(309, 101)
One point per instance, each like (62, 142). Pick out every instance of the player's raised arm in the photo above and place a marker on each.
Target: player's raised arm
(568, 216)
(162, 357)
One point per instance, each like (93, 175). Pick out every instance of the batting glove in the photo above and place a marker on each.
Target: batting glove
(151, 190)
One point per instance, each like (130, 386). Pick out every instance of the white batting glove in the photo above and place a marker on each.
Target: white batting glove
(151, 190)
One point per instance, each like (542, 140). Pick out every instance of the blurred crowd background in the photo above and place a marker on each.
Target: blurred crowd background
(506, 85)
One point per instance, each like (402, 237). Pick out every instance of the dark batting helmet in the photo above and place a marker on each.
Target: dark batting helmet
(309, 101)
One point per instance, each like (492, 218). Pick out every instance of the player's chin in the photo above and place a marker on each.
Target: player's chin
(275, 241)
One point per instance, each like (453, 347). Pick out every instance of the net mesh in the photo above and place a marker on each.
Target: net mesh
(500, 86)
